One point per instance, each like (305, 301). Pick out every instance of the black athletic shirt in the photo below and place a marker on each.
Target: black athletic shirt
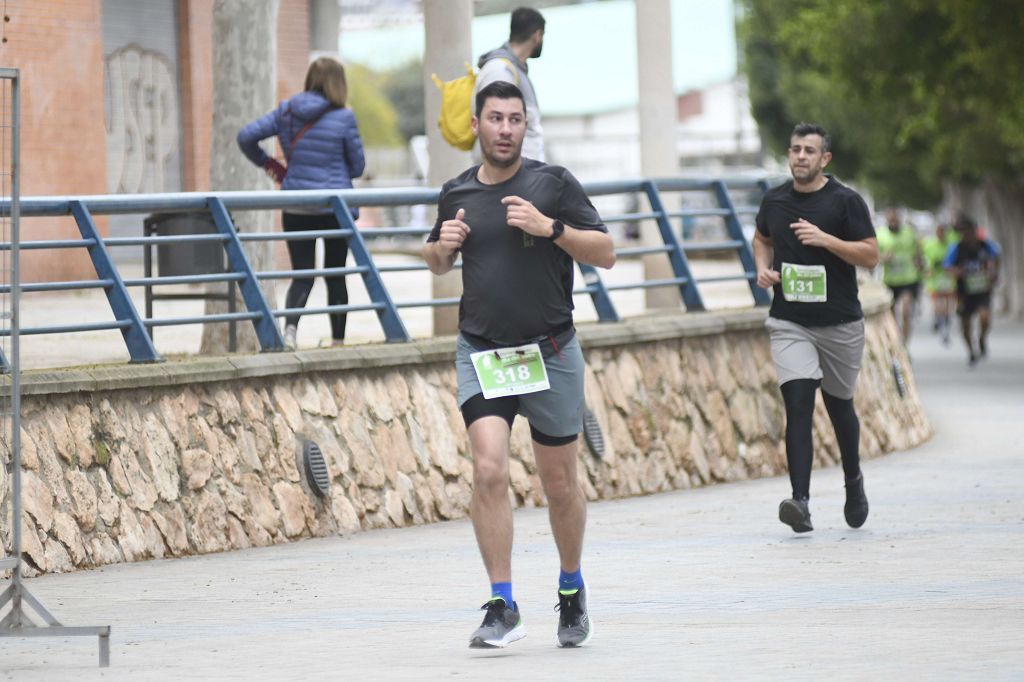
(972, 259)
(837, 210)
(515, 287)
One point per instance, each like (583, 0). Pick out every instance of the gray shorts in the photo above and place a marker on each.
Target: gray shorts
(832, 354)
(557, 411)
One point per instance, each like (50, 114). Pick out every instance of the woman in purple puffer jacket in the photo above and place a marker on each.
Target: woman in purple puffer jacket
(320, 140)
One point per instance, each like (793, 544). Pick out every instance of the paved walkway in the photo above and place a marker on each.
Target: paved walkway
(701, 584)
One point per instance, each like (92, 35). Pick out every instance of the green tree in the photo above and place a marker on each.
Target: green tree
(378, 120)
(925, 99)
(404, 89)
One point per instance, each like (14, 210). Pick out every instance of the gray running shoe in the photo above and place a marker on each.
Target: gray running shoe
(796, 514)
(502, 625)
(574, 627)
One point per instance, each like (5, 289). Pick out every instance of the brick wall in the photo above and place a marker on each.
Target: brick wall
(195, 56)
(293, 43)
(58, 45)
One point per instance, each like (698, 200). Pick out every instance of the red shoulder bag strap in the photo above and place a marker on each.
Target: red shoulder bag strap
(298, 136)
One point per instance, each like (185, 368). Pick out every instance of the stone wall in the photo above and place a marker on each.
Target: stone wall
(126, 463)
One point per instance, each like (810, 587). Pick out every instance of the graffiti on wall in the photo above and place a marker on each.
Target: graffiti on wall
(142, 122)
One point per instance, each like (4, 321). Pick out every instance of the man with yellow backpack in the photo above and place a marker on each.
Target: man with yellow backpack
(505, 63)
(902, 264)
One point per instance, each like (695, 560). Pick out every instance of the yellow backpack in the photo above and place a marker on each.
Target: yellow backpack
(456, 119)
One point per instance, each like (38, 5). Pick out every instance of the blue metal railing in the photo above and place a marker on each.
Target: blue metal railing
(136, 329)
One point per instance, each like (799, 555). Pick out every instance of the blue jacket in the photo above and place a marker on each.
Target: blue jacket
(328, 156)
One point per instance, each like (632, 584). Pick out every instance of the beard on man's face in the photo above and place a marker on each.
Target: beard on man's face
(500, 158)
(537, 50)
(805, 173)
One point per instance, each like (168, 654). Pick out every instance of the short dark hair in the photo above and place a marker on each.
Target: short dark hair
(501, 90)
(964, 223)
(525, 20)
(804, 129)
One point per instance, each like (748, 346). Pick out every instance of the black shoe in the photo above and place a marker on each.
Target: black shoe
(796, 514)
(983, 347)
(574, 628)
(502, 625)
(856, 509)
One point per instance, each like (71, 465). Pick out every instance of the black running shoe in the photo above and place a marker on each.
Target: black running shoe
(574, 627)
(502, 625)
(856, 509)
(796, 514)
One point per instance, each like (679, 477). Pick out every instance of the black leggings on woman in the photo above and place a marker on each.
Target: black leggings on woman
(303, 257)
(798, 396)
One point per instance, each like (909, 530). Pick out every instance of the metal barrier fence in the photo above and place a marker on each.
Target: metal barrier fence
(136, 329)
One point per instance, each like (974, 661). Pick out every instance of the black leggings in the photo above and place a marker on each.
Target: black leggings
(303, 257)
(798, 396)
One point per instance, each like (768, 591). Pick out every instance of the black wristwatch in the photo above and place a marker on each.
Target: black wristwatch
(557, 228)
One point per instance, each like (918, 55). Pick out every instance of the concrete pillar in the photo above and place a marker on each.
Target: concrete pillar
(657, 114)
(324, 23)
(447, 25)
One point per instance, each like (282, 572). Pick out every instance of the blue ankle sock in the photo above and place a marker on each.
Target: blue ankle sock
(569, 583)
(503, 590)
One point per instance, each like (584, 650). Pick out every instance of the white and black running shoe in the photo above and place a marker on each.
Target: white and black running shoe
(574, 627)
(502, 625)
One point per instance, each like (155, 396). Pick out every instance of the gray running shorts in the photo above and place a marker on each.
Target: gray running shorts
(556, 412)
(832, 354)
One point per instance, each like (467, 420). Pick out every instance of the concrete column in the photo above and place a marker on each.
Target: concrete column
(324, 23)
(657, 113)
(447, 25)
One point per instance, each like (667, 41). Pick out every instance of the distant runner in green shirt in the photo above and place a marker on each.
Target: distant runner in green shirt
(940, 284)
(902, 263)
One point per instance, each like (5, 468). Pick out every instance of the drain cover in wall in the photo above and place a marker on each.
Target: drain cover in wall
(897, 375)
(592, 433)
(316, 469)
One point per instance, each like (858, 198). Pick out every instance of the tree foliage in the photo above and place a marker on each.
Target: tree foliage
(915, 92)
(378, 120)
(404, 88)
(388, 104)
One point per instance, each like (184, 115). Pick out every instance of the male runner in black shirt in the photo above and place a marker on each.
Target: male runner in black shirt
(519, 225)
(811, 233)
(974, 262)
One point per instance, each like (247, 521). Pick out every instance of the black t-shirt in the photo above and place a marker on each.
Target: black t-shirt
(515, 287)
(975, 260)
(837, 210)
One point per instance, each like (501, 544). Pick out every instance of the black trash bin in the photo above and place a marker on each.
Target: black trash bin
(186, 258)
